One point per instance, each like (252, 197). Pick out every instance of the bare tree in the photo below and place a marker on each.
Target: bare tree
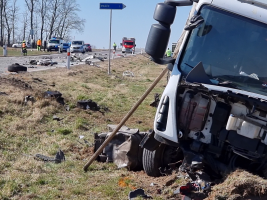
(30, 5)
(2, 23)
(42, 5)
(14, 12)
(25, 24)
(6, 15)
(55, 5)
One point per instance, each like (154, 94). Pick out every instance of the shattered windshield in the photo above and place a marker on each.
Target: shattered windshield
(77, 43)
(128, 43)
(231, 47)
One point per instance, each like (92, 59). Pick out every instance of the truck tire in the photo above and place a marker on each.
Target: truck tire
(152, 161)
(160, 158)
(16, 68)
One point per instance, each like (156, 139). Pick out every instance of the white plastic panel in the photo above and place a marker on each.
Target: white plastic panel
(243, 8)
(171, 89)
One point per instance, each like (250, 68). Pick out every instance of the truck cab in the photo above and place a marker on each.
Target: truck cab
(128, 45)
(213, 110)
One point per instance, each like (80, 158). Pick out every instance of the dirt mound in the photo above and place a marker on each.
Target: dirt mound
(240, 185)
(15, 82)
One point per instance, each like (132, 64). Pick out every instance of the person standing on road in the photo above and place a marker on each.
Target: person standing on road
(168, 53)
(44, 45)
(39, 43)
(24, 48)
(114, 46)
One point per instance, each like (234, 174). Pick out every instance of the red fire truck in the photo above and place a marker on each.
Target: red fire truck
(128, 45)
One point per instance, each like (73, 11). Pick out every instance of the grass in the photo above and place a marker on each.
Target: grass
(17, 52)
(26, 130)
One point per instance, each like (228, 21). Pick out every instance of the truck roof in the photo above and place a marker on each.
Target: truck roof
(254, 9)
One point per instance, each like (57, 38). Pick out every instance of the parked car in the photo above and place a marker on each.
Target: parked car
(53, 44)
(77, 46)
(18, 45)
(64, 47)
(88, 47)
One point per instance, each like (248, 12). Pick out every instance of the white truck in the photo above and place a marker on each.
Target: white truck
(213, 111)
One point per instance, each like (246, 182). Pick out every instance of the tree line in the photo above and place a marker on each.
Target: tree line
(38, 19)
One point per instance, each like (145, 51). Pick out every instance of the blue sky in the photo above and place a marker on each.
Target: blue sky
(133, 21)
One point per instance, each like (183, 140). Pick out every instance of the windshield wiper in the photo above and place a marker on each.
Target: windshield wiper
(189, 65)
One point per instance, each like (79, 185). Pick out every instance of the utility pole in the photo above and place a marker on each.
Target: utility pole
(1, 13)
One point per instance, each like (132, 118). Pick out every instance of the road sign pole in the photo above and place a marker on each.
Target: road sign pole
(111, 6)
(68, 58)
(109, 42)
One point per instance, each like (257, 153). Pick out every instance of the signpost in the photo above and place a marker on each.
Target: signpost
(111, 6)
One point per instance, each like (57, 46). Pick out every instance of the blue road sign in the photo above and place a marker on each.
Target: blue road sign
(113, 6)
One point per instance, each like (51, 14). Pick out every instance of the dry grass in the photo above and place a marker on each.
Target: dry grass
(240, 185)
(29, 129)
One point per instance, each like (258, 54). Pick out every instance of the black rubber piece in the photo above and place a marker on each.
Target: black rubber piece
(16, 68)
(153, 160)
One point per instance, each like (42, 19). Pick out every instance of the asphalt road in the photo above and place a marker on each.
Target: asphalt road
(61, 59)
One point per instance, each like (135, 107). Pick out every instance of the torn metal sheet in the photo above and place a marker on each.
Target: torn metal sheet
(128, 73)
(129, 153)
(123, 149)
(88, 57)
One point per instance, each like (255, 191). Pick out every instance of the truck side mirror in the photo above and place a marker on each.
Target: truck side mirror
(159, 34)
(121, 44)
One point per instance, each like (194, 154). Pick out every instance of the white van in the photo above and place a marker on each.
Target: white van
(54, 44)
(77, 46)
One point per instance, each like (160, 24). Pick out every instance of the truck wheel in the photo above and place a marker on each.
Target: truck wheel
(160, 158)
(16, 68)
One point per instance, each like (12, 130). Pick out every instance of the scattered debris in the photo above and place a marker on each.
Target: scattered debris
(87, 58)
(54, 95)
(29, 98)
(57, 159)
(37, 79)
(136, 194)
(100, 58)
(88, 104)
(156, 101)
(3, 93)
(33, 62)
(128, 73)
(46, 62)
(123, 149)
(74, 58)
(67, 108)
(56, 118)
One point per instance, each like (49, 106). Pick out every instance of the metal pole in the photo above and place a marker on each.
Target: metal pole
(4, 50)
(68, 58)
(109, 43)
